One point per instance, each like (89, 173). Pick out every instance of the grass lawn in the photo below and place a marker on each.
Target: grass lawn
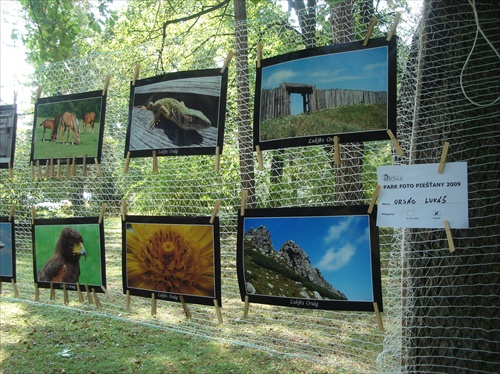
(342, 119)
(58, 150)
(37, 338)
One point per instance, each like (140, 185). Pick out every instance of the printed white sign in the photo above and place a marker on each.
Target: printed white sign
(417, 196)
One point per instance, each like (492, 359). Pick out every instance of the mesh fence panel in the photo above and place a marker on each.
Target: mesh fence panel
(441, 311)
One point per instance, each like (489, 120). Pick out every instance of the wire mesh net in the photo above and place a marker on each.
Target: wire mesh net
(441, 310)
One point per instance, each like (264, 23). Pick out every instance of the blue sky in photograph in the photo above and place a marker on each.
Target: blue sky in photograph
(339, 246)
(6, 251)
(355, 70)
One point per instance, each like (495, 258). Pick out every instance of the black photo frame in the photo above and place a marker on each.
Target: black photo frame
(307, 97)
(54, 137)
(66, 234)
(7, 250)
(192, 122)
(186, 251)
(315, 258)
(8, 126)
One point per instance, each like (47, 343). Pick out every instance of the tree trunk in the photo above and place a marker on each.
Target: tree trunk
(244, 118)
(451, 300)
(348, 185)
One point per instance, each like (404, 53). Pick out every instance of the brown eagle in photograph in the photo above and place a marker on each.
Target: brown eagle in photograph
(64, 265)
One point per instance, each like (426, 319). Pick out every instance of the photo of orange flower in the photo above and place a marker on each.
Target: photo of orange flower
(171, 258)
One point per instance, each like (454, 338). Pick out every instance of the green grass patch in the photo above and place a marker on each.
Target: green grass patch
(36, 339)
(351, 118)
(48, 149)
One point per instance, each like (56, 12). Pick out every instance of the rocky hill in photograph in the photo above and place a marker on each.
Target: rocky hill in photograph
(287, 272)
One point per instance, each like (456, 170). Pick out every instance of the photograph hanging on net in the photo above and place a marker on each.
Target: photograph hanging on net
(172, 257)
(305, 98)
(69, 126)
(8, 124)
(315, 258)
(181, 113)
(67, 251)
(7, 250)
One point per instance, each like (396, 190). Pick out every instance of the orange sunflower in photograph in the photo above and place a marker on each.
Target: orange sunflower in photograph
(171, 258)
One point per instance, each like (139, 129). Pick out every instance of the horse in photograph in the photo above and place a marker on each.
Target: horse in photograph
(70, 123)
(89, 118)
(51, 125)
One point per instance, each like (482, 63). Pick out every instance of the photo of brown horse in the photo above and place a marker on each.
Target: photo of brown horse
(70, 123)
(51, 125)
(89, 118)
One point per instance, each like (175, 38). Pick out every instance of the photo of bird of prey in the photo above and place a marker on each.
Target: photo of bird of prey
(64, 265)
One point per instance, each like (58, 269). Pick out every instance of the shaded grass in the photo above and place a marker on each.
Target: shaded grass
(55, 340)
(327, 121)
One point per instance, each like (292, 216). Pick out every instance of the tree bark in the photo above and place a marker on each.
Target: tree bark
(243, 117)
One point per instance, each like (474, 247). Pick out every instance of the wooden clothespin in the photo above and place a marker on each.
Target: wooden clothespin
(244, 198)
(80, 294)
(32, 171)
(187, 312)
(107, 293)
(73, 167)
(38, 169)
(59, 169)
(15, 97)
(38, 93)
(374, 198)
(96, 298)
(259, 54)
(47, 169)
(101, 215)
(153, 304)
(84, 165)
(14, 287)
(336, 149)
(12, 211)
(124, 209)
(229, 57)
(106, 84)
(395, 143)
(260, 160)
(218, 311)
(89, 294)
(127, 163)
(127, 301)
(52, 291)
(378, 316)
(247, 307)
(215, 210)
(155, 162)
(68, 168)
(11, 170)
(449, 237)
(136, 73)
(65, 293)
(98, 166)
(52, 168)
(33, 214)
(217, 160)
(442, 162)
(369, 31)
(37, 292)
(394, 26)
